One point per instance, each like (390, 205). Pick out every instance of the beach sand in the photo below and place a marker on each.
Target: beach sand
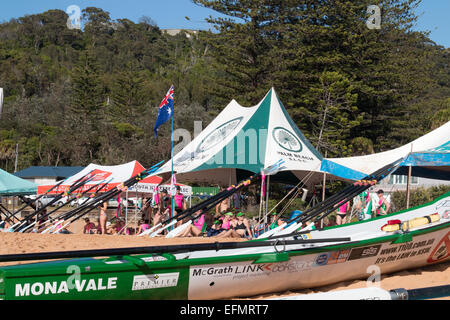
(433, 275)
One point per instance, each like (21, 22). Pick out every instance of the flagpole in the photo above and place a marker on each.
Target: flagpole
(171, 192)
(166, 110)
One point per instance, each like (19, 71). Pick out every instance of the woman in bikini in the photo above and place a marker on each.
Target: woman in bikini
(341, 213)
(227, 220)
(237, 227)
(242, 226)
(103, 217)
(223, 206)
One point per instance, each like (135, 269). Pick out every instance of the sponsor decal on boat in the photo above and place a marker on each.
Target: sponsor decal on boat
(446, 214)
(443, 204)
(322, 259)
(441, 251)
(404, 251)
(332, 257)
(61, 287)
(251, 269)
(154, 281)
(364, 252)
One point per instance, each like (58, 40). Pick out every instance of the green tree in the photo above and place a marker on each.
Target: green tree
(241, 48)
(334, 105)
(87, 105)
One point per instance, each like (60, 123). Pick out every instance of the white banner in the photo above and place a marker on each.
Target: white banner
(150, 188)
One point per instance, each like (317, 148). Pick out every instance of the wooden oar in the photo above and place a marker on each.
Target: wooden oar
(216, 246)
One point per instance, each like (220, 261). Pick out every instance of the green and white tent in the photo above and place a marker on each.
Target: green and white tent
(10, 185)
(244, 140)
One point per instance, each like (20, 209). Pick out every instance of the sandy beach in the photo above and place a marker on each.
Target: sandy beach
(433, 275)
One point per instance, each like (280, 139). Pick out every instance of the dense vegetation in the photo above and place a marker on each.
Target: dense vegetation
(73, 97)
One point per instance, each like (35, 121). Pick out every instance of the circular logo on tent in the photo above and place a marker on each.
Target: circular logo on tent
(218, 135)
(286, 139)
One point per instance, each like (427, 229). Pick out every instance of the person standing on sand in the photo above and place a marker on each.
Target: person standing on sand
(341, 214)
(223, 206)
(180, 203)
(383, 205)
(103, 217)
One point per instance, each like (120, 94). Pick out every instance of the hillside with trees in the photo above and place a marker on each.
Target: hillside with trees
(73, 97)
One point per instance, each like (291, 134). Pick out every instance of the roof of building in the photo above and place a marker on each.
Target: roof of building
(42, 171)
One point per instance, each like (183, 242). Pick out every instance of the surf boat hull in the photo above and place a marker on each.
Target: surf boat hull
(242, 272)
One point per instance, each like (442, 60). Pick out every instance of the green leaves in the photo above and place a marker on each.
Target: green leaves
(79, 96)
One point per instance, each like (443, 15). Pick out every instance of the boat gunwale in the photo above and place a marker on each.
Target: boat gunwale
(100, 266)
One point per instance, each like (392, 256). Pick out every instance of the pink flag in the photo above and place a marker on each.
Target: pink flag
(173, 188)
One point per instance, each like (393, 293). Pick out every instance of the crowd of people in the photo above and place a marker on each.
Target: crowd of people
(226, 221)
(364, 206)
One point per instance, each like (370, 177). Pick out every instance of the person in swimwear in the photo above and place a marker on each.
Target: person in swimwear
(143, 225)
(223, 206)
(341, 213)
(103, 218)
(215, 229)
(383, 205)
(195, 228)
(89, 227)
(242, 226)
(227, 220)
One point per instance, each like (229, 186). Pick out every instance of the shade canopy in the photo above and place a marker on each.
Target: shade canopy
(241, 141)
(11, 185)
(433, 163)
(114, 175)
(428, 156)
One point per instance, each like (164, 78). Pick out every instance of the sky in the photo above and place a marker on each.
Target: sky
(171, 14)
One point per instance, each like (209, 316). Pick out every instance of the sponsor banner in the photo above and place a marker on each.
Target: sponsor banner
(151, 188)
(98, 175)
(154, 281)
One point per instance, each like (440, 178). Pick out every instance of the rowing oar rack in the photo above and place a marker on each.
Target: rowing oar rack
(324, 208)
(93, 202)
(209, 203)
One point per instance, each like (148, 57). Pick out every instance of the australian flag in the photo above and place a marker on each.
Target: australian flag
(165, 110)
